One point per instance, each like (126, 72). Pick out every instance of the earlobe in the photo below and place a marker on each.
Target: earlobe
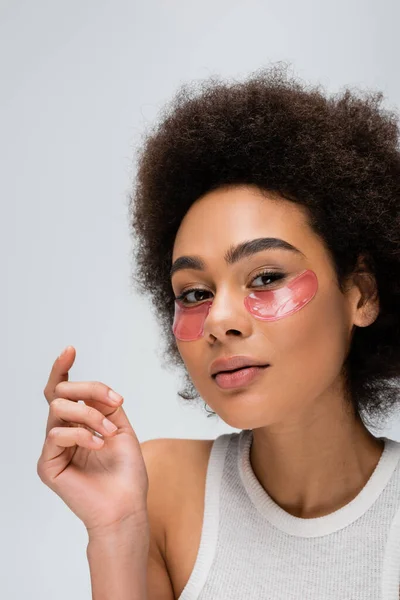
(372, 311)
(367, 315)
(368, 304)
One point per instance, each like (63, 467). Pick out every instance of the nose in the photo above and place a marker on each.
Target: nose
(227, 316)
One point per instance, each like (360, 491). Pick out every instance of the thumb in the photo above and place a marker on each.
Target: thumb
(120, 419)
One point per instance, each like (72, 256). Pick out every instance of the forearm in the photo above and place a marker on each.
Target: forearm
(118, 563)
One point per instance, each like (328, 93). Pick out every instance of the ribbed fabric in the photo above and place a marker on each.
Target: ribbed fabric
(251, 549)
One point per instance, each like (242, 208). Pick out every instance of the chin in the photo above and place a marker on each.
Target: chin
(242, 410)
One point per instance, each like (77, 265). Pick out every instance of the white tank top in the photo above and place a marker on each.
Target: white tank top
(251, 549)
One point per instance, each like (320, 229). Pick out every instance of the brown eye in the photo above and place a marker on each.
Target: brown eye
(268, 275)
(196, 294)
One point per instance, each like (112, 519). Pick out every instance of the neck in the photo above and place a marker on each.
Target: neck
(315, 466)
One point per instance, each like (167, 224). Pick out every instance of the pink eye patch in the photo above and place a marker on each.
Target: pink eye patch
(267, 305)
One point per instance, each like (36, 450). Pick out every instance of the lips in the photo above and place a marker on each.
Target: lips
(240, 378)
(234, 363)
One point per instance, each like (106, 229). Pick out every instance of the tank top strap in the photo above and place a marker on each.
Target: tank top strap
(209, 533)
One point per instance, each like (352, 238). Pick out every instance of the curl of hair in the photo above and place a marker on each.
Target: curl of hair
(336, 155)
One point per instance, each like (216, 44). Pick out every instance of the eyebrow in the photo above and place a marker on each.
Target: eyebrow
(236, 253)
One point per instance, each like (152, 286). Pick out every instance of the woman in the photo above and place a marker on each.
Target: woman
(267, 216)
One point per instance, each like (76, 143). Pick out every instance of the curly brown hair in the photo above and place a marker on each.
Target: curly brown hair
(337, 155)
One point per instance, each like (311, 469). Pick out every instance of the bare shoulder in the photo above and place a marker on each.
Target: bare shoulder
(177, 470)
(169, 450)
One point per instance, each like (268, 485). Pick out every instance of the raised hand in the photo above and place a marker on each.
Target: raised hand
(102, 480)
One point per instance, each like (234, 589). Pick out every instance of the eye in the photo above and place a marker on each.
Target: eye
(194, 295)
(197, 295)
(268, 275)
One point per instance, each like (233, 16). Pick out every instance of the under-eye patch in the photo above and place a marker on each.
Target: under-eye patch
(267, 305)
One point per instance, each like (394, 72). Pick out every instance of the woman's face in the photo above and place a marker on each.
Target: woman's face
(305, 349)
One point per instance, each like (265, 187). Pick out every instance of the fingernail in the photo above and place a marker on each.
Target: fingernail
(114, 397)
(63, 352)
(109, 426)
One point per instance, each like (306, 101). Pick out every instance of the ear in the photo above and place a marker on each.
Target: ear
(366, 297)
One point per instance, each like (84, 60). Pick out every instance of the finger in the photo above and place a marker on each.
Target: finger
(91, 392)
(59, 372)
(118, 417)
(64, 412)
(66, 437)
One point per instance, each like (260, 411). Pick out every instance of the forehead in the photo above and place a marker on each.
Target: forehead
(230, 215)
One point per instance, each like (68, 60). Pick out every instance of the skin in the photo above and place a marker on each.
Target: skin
(310, 453)
(105, 484)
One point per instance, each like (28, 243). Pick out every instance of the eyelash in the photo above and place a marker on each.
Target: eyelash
(270, 274)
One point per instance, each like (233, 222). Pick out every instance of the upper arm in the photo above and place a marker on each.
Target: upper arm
(159, 585)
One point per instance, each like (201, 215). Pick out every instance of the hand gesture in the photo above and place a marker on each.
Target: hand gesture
(103, 480)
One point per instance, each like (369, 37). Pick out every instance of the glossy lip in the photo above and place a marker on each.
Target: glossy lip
(234, 362)
(241, 378)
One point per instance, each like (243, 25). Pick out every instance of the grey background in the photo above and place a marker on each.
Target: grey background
(80, 81)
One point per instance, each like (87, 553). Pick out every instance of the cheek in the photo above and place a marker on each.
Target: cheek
(192, 354)
(197, 359)
(313, 341)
